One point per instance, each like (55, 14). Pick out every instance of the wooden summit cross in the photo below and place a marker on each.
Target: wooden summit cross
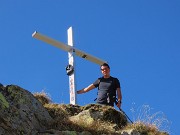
(71, 51)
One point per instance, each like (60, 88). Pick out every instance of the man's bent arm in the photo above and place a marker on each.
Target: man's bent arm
(119, 97)
(119, 94)
(90, 87)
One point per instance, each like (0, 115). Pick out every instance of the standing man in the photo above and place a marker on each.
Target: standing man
(107, 88)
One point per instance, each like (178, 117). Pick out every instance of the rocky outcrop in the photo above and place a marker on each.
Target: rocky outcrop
(20, 112)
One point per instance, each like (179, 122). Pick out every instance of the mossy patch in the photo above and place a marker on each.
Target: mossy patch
(69, 132)
(17, 95)
(3, 101)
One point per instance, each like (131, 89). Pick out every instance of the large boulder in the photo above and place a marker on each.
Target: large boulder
(96, 114)
(20, 112)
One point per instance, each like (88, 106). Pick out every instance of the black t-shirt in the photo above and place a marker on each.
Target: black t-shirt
(106, 89)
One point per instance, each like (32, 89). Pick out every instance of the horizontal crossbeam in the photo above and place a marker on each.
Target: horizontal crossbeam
(68, 48)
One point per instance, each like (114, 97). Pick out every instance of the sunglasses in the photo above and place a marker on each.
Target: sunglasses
(104, 69)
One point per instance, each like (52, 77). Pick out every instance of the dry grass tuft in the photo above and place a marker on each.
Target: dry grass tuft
(43, 97)
(147, 122)
(147, 129)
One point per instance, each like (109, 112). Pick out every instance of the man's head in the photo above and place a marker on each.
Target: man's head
(106, 65)
(105, 69)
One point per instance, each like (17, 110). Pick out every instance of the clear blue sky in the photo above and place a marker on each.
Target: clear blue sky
(140, 39)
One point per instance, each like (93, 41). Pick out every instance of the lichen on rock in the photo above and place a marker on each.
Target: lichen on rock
(22, 113)
(3, 103)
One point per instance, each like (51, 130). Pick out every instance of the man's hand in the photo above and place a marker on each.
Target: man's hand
(118, 104)
(80, 91)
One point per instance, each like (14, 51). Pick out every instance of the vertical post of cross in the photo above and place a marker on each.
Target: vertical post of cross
(72, 86)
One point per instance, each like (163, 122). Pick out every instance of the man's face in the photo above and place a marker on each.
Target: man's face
(105, 70)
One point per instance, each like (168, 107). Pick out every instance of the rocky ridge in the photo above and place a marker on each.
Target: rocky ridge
(23, 113)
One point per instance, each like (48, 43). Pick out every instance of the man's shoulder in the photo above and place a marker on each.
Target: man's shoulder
(114, 78)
